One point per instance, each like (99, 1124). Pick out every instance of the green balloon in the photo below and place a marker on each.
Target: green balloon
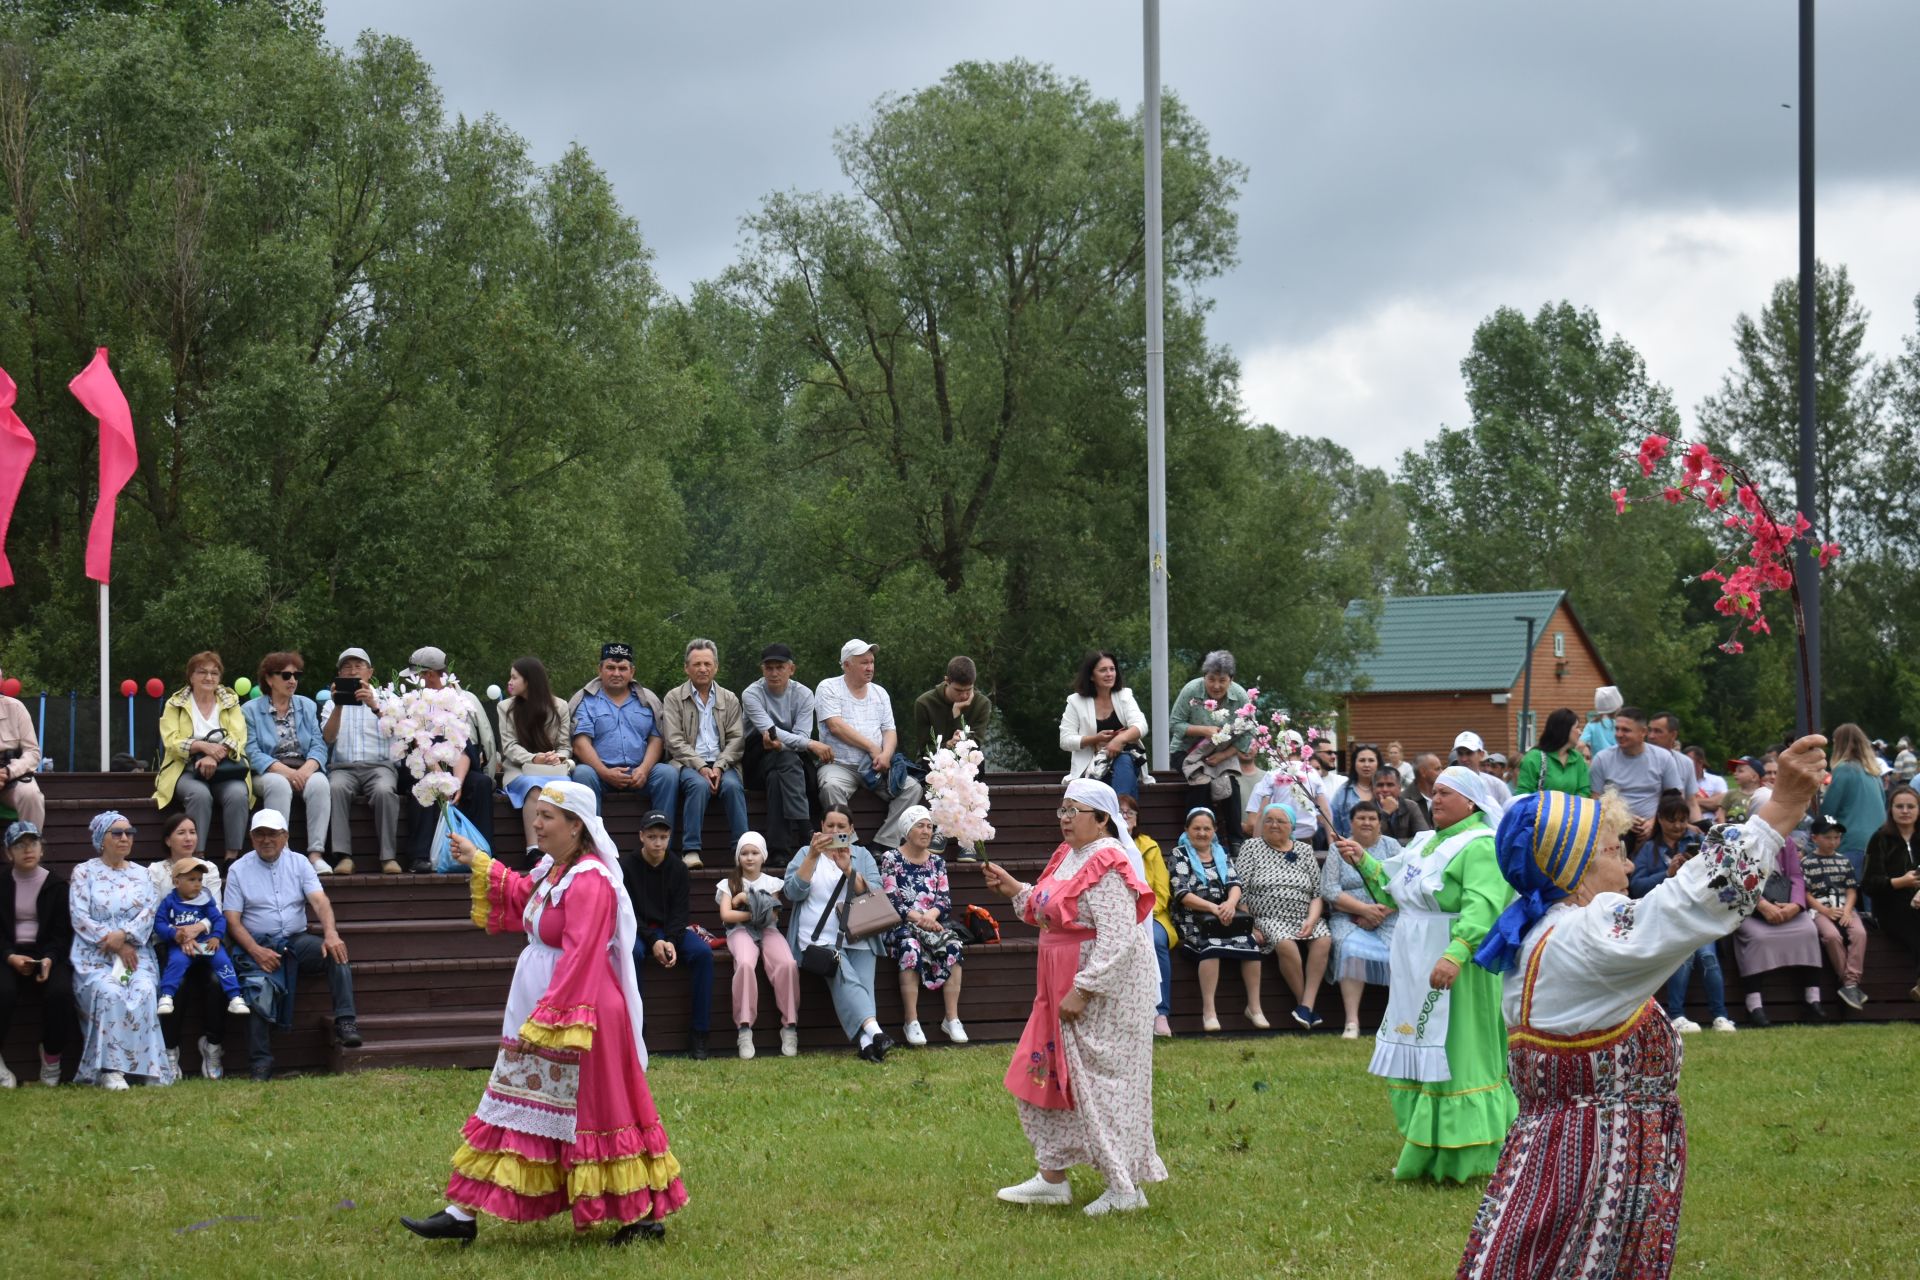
(256, 693)
(241, 686)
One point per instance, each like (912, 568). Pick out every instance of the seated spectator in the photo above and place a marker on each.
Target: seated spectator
(204, 736)
(782, 757)
(856, 721)
(111, 904)
(1280, 884)
(360, 762)
(1356, 789)
(1854, 797)
(192, 933)
(1556, 764)
(813, 884)
(1638, 770)
(1362, 927)
(1397, 761)
(1710, 789)
(36, 943)
(1426, 773)
(616, 736)
(1779, 934)
(660, 888)
(287, 753)
(1663, 732)
(1905, 763)
(1740, 798)
(19, 759)
(1212, 771)
(266, 902)
(177, 843)
(1833, 898)
(940, 711)
(536, 734)
(1659, 858)
(705, 739)
(1103, 727)
(1155, 866)
(1303, 790)
(1893, 874)
(472, 769)
(1400, 818)
(749, 902)
(926, 949)
(1205, 893)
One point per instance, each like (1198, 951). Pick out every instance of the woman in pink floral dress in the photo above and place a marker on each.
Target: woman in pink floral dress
(1083, 1072)
(567, 1122)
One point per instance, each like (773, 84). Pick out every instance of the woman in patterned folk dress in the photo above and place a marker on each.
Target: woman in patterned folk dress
(567, 1121)
(1082, 1075)
(1590, 1180)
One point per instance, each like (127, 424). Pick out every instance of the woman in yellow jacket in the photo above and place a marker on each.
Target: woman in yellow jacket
(205, 740)
(1163, 934)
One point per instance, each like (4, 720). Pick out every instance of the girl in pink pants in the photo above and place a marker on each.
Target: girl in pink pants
(748, 900)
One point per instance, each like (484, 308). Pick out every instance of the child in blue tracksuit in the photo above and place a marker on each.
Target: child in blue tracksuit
(192, 925)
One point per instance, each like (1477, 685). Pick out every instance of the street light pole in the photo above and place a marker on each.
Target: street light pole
(1156, 395)
(1526, 689)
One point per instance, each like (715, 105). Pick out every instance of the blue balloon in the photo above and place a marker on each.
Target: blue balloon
(325, 695)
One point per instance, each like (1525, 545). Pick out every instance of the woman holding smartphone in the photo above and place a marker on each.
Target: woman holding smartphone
(820, 919)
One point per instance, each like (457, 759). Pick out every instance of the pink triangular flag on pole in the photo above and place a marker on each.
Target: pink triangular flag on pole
(16, 455)
(94, 387)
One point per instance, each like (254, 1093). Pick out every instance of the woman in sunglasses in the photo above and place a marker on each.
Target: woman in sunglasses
(112, 903)
(288, 755)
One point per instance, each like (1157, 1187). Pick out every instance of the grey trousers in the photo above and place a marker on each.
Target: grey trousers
(276, 792)
(380, 784)
(838, 783)
(196, 801)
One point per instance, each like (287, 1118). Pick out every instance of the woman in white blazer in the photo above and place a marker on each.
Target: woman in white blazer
(1102, 716)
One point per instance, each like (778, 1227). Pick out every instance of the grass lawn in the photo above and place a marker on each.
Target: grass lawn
(1803, 1164)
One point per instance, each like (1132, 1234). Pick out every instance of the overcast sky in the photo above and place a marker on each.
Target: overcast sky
(1413, 163)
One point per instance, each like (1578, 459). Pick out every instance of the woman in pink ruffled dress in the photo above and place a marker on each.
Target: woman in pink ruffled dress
(567, 1122)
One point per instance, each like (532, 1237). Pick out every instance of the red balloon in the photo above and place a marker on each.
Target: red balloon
(10, 687)
(127, 687)
(155, 687)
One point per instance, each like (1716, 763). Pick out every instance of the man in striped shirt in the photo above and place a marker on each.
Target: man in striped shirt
(360, 761)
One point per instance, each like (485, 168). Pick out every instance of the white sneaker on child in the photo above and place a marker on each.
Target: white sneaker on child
(210, 1059)
(743, 1040)
(165, 1006)
(955, 1031)
(789, 1041)
(238, 1005)
(915, 1036)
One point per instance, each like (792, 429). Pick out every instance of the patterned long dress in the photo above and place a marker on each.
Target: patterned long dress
(920, 886)
(1590, 1180)
(1278, 887)
(1084, 1089)
(567, 1119)
(1205, 882)
(122, 1028)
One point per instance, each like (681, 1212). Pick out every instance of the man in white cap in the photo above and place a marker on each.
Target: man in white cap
(360, 762)
(266, 897)
(428, 665)
(856, 723)
(1469, 750)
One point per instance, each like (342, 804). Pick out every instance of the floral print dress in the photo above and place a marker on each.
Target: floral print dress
(920, 886)
(121, 1026)
(1278, 887)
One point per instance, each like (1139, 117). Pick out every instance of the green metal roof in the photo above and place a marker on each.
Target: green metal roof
(1434, 644)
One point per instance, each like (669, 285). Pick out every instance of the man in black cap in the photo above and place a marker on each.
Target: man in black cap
(659, 887)
(782, 756)
(617, 737)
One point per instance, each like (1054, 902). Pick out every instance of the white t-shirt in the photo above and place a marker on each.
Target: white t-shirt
(203, 726)
(826, 878)
(871, 716)
(1712, 784)
(1306, 814)
(723, 895)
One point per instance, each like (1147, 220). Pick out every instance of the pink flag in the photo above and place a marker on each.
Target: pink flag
(95, 388)
(16, 455)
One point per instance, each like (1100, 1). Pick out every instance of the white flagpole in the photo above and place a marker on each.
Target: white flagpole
(106, 739)
(1156, 403)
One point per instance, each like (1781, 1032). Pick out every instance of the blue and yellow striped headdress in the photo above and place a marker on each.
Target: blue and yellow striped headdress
(1545, 843)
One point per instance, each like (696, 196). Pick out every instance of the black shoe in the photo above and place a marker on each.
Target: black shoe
(1758, 1018)
(647, 1230)
(260, 1075)
(876, 1048)
(347, 1032)
(1818, 1012)
(697, 1050)
(442, 1226)
(423, 866)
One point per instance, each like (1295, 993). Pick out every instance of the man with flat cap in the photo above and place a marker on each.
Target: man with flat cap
(782, 758)
(428, 665)
(617, 738)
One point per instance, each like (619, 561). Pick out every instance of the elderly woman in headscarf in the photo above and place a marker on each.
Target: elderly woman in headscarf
(1082, 1076)
(914, 878)
(1590, 1180)
(1362, 928)
(567, 1122)
(112, 904)
(1280, 889)
(1443, 1045)
(1205, 892)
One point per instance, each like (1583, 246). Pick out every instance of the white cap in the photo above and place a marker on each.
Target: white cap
(269, 820)
(355, 652)
(1470, 740)
(854, 648)
(428, 658)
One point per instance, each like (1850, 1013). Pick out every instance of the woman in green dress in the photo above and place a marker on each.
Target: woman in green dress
(1443, 1045)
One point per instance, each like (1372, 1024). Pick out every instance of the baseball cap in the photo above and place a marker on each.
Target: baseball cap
(191, 864)
(1754, 763)
(1470, 740)
(268, 820)
(1496, 758)
(428, 658)
(1827, 822)
(776, 652)
(355, 653)
(854, 648)
(655, 818)
(18, 831)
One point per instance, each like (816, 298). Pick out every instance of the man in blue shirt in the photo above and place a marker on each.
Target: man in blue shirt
(616, 735)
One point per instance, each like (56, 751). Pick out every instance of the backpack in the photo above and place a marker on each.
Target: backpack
(979, 925)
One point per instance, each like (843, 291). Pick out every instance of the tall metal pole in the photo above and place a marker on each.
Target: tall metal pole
(106, 708)
(1808, 717)
(1526, 690)
(1156, 398)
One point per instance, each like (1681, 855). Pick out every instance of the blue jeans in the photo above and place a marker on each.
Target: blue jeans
(696, 957)
(1710, 978)
(1126, 776)
(694, 795)
(1163, 954)
(663, 786)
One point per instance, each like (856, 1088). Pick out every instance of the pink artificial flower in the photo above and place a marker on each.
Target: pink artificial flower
(1673, 496)
(1829, 552)
(1619, 502)
(1749, 499)
(1210, 704)
(1652, 449)
(1759, 624)
(1734, 647)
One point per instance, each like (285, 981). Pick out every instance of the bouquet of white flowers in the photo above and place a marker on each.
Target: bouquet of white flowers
(955, 794)
(429, 731)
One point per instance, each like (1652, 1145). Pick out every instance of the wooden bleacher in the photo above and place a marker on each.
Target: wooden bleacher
(430, 987)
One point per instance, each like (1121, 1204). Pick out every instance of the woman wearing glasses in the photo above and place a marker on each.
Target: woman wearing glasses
(114, 977)
(288, 755)
(204, 735)
(1082, 1075)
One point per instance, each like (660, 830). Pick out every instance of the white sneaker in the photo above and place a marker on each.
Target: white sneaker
(955, 1031)
(1037, 1190)
(173, 1062)
(1351, 1031)
(789, 1041)
(915, 1036)
(744, 1040)
(165, 1006)
(238, 1005)
(1685, 1026)
(1108, 1202)
(320, 867)
(210, 1054)
(50, 1073)
(113, 1081)
(6, 1077)
(1724, 1024)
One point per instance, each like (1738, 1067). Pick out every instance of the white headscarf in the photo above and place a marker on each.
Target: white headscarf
(911, 814)
(1472, 784)
(571, 797)
(1100, 796)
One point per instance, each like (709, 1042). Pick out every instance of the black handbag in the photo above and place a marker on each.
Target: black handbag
(824, 962)
(1778, 889)
(228, 770)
